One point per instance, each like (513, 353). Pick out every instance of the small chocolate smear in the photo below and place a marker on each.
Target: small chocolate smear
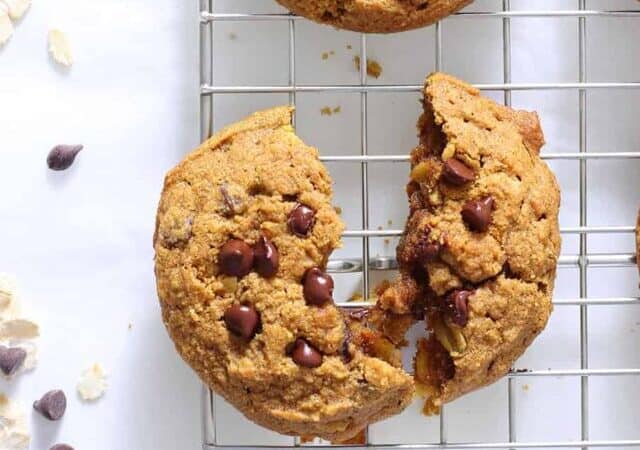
(62, 156)
(426, 251)
(457, 306)
(11, 359)
(456, 172)
(318, 287)
(266, 258)
(235, 258)
(61, 447)
(52, 405)
(305, 355)
(345, 352)
(477, 213)
(301, 220)
(242, 320)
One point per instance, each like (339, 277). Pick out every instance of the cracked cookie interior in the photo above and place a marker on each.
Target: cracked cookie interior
(481, 243)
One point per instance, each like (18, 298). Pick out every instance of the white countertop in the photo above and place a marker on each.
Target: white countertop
(80, 241)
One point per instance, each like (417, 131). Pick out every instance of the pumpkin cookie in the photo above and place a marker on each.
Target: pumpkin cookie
(375, 16)
(244, 230)
(479, 252)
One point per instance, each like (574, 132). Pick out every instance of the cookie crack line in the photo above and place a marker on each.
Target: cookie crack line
(474, 251)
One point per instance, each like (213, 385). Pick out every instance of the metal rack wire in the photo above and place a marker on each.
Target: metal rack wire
(365, 263)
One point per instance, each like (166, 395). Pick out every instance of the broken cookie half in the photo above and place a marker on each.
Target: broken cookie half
(478, 256)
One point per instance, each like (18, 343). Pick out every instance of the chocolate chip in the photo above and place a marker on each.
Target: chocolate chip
(235, 258)
(62, 156)
(318, 287)
(11, 359)
(477, 213)
(456, 172)
(52, 405)
(427, 251)
(266, 258)
(301, 219)
(457, 306)
(242, 320)
(305, 355)
(345, 352)
(61, 447)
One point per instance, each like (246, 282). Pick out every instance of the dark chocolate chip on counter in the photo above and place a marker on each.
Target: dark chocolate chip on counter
(456, 172)
(52, 405)
(235, 258)
(266, 258)
(242, 320)
(305, 355)
(62, 156)
(11, 359)
(477, 213)
(300, 220)
(457, 306)
(61, 447)
(318, 287)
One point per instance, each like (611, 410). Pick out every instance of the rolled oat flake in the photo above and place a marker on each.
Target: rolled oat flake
(62, 156)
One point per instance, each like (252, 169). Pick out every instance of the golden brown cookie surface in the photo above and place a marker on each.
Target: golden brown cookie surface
(481, 243)
(244, 229)
(375, 16)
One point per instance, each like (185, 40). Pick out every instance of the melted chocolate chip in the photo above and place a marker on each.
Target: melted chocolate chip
(456, 172)
(477, 213)
(242, 320)
(359, 313)
(318, 287)
(52, 405)
(457, 306)
(11, 359)
(235, 258)
(426, 251)
(345, 352)
(266, 257)
(305, 355)
(301, 220)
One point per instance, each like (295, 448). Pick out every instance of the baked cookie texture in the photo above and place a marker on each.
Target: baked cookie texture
(244, 230)
(479, 252)
(375, 16)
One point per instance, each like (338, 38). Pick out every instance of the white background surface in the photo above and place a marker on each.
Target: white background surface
(80, 241)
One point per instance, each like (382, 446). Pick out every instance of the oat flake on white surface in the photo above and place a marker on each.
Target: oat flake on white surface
(93, 383)
(14, 434)
(59, 47)
(17, 8)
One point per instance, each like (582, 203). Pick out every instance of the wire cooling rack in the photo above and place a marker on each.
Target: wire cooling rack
(365, 264)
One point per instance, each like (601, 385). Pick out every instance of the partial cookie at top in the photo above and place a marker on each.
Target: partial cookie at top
(375, 16)
(481, 244)
(245, 227)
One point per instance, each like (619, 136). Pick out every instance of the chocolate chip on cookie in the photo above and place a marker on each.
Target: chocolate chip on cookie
(266, 258)
(477, 213)
(457, 308)
(236, 258)
(456, 172)
(305, 355)
(318, 287)
(301, 219)
(242, 320)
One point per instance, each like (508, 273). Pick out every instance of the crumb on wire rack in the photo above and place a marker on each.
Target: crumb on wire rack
(374, 68)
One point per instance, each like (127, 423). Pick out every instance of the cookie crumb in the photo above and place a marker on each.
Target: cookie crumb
(374, 68)
(324, 55)
(389, 222)
(130, 326)
(337, 109)
(356, 297)
(387, 241)
(233, 36)
(525, 387)
(349, 47)
(337, 209)
(92, 384)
